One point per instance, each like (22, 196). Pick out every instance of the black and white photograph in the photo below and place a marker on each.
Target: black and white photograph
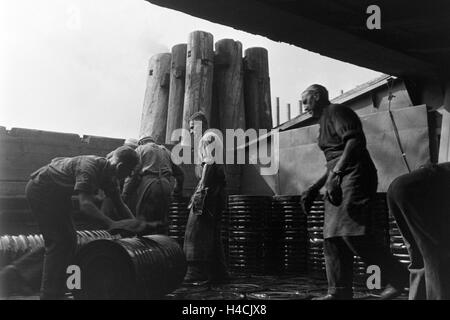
(227, 158)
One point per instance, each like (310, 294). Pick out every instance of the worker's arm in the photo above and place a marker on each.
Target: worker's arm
(87, 206)
(308, 196)
(321, 182)
(112, 191)
(352, 151)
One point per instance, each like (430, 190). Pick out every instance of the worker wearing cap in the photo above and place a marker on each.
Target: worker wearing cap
(350, 185)
(107, 205)
(49, 193)
(150, 189)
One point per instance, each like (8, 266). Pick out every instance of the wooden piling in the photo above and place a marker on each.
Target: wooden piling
(176, 94)
(199, 75)
(154, 112)
(258, 107)
(289, 111)
(229, 85)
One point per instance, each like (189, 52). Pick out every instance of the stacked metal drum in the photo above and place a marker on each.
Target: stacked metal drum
(246, 226)
(13, 247)
(315, 220)
(178, 216)
(397, 244)
(224, 226)
(288, 214)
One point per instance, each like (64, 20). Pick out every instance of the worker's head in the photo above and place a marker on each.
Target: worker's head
(210, 148)
(314, 99)
(123, 161)
(131, 142)
(198, 119)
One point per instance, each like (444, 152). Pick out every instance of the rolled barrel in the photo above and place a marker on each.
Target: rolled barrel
(135, 268)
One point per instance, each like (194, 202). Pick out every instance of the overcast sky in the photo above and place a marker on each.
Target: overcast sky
(80, 66)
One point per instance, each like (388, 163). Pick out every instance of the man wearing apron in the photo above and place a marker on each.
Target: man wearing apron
(420, 204)
(202, 241)
(350, 185)
(149, 191)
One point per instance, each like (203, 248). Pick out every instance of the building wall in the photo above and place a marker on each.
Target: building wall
(302, 162)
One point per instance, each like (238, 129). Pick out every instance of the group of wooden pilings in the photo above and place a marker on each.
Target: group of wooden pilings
(232, 90)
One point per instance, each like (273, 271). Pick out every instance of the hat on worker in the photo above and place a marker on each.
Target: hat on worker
(145, 139)
(131, 142)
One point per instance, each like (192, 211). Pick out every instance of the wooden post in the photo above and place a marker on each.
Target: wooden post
(258, 109)
(154, 112)
(199, 75)
(289, 111)
(229, 85)
(444, 145)
(278, 111)
(176, 93)
(229, 100)
(300, 107)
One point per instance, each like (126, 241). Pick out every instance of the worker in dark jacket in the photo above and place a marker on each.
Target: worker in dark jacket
(202, 241)
(350, 186)
(420, 204)
(49, 193)
(149, 190)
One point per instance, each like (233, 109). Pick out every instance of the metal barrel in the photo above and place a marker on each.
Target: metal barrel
(15, 247)
(289, 234)
(314, 221)
(178, 216)
(134, 268)
(246, 226)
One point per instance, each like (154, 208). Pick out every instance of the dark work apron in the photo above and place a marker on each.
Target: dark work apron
(359, 186)
(202, 238)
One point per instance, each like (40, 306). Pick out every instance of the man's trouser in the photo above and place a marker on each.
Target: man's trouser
(339, 253)
(53, 213)
(154, 197)
(420, 204)
(203, 247)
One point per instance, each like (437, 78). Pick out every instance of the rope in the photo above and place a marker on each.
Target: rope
(394, 125)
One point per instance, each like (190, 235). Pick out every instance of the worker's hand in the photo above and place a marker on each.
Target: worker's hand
(307, 198)
(130, 226)
(333, 190)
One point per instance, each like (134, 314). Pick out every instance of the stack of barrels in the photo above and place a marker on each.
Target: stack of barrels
(178, 216)
(292, 245)
(246, 226)
(134, 268)
(14, 247)
(224, 226)
(274, 239)
(315, 220)
(397, 244)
